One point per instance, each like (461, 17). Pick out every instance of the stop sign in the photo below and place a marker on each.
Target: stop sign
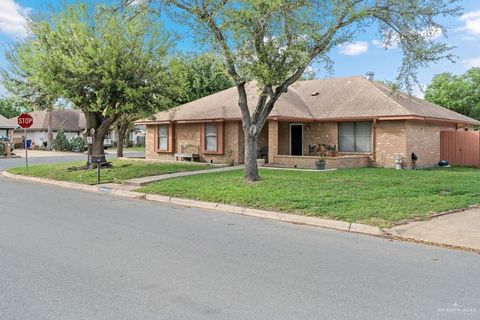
(25, 120)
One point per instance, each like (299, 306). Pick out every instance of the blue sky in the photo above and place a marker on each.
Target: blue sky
(364, 54)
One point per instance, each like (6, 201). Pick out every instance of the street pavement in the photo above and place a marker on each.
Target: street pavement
(66, 254)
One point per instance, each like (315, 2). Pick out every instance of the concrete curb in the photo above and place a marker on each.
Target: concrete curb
(219, 207)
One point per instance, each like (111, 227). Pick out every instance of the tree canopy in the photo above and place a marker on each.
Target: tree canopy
(106, 64)
(199, 76)
(8, 108)
(460, 93)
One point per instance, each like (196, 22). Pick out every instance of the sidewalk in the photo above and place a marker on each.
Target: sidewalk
(461, 229)
(146, 180)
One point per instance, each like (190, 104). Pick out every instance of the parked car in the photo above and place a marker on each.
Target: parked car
(8, 142)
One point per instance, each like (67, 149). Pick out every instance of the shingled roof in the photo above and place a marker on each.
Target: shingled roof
(7, 123)
(339, 99)
(69, 120)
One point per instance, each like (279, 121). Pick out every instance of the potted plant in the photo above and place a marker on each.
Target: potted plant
(333, 151)
(321, 151)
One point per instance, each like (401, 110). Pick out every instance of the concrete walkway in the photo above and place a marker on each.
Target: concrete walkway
(146, 180)
(460, 229)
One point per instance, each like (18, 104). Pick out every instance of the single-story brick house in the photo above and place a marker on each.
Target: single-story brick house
(6, 127)
(368, 124)
(71, 121)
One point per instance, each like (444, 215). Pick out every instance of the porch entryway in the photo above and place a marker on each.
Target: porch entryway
(291, 144)
(296, 139)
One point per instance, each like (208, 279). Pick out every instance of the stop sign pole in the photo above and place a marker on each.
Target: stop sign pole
(25, 121)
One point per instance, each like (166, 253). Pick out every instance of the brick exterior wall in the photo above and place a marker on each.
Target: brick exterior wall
(308, 162)
(423, 138)
(272, 140)
(189, 133)
(313, 133)
(283, 133)
(392, 137)
(405, 137)
(319, 133)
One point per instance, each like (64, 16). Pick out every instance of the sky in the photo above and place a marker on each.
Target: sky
(364, 54)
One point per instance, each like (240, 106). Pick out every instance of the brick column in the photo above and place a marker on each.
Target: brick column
(272, 140)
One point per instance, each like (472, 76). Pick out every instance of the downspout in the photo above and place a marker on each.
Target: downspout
(374, 140)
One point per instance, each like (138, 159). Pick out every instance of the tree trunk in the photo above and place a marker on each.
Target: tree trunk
(121, 131)
(49, 130)
(251, 168)
(100, 126)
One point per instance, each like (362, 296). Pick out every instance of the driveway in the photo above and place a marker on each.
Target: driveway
(457, 229)
(67, 254)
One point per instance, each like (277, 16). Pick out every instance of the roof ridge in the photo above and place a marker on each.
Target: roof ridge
(385, 95)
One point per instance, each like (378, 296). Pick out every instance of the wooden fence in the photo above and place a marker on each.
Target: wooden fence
(460, 148)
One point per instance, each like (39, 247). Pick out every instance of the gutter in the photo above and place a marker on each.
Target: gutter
(293, 119)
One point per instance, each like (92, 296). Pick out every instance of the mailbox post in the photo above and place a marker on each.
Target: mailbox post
(98, 160)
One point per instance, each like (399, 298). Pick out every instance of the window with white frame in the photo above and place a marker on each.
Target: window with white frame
(355, 136)
(163, 137)
(211, 137)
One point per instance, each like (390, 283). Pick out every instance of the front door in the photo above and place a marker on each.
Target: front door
(296, 140)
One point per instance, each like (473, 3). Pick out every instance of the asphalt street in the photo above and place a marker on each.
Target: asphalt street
(67, 254)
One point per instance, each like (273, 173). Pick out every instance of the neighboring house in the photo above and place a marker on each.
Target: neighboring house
(136, 135)
(367, 123)
(72, 121)
(7, 126)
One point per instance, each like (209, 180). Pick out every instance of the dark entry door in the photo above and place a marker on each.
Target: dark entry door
(296, 140)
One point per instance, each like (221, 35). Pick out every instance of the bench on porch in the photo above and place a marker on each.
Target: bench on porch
(188, 151)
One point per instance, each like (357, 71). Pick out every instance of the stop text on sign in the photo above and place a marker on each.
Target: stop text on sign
(25, 120)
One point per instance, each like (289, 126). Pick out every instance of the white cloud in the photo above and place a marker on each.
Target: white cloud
(418, 92)
(382, 45)
(471, 23)
(136, 2)
(432, 33)
(354, 48)
(13, 18)
(472, 62)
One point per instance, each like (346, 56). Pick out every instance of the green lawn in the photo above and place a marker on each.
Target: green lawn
(122, 170)
(381, 197)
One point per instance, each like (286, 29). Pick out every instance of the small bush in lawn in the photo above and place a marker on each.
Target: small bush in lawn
(60, 143)
(78, 144)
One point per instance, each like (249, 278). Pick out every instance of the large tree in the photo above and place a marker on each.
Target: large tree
(8, 108)
(199, 76)
(105, 64)
(272, 42)
(460, 93)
